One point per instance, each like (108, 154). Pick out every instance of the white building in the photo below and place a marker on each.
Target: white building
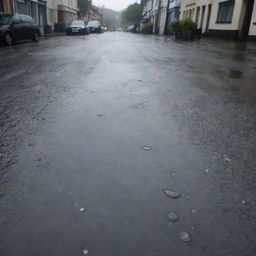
(147, 11)
(233, 19)
(52, 13)
(160, 13)
(252, 30)
(60, 13)
(174, 10)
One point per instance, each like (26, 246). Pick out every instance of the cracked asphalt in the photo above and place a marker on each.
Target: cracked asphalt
(95, 128)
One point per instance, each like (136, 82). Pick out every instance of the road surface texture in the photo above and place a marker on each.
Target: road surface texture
(94, 128)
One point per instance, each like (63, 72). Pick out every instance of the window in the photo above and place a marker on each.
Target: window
(4, 20)
(225, 12)
(172, 16)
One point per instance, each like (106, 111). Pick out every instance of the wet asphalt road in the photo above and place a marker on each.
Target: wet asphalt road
(75, 113)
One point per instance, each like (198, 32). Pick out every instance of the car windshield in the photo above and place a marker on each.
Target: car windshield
(93, 23)
(4, 20)
(78, 22)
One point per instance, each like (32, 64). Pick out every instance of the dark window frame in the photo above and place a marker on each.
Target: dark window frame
(222, 6)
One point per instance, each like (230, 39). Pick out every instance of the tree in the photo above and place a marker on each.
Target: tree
(132, 15)
(110, 17)
(84, 7)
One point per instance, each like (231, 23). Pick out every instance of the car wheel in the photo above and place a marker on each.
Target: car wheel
(35, 37)
(8, 39)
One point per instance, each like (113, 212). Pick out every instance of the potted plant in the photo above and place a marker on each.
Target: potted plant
(188, 29)
(184, 29)
(147, 28)
(176, 28)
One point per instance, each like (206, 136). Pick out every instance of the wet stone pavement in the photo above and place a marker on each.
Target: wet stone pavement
(122, 144)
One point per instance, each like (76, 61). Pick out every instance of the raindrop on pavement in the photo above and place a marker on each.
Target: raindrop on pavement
(185, 237)
(82, 210)
(207, 170)
(173, 216)
(243, 202)
(147, 148)
(193, 210)
(173, 173)
(227, 159)
(85, 251)
(171, 193)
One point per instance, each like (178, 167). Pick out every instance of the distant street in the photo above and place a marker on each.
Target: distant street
(98, 130)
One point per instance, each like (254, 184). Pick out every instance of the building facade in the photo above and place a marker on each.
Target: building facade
(6, 6)
(252, 30)
(160, 13)
(67, 11)
(52, 13)
(34, 8)
(174, 10)
(94, 14)
(232, 19)
(60, 13)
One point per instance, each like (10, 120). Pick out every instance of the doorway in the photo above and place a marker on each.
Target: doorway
(247, 19)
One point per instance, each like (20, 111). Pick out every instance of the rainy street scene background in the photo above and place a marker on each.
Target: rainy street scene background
(128, 128)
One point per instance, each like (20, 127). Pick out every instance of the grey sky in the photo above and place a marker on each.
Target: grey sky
(114, 4)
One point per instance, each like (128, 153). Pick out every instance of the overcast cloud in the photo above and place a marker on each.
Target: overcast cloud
(114, 4)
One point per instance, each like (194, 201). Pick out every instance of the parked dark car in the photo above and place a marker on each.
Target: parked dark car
(94, 26)
(17, 27)
(77, 27)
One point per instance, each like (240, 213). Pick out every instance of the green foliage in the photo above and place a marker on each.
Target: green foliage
(175, 25)
(110, 17)
(147, 28)
(188, 23)
(84, 6)
(132, 15)
(181, 27)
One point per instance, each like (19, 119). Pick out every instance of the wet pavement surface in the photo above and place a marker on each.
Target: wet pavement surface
(121, 144)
